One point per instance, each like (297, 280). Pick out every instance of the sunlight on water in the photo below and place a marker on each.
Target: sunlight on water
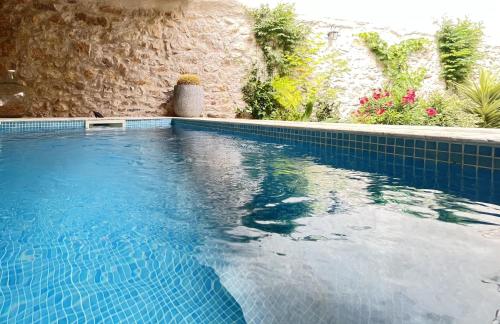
(170, 224)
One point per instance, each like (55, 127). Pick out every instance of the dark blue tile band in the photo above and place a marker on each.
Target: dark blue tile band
(441, 158)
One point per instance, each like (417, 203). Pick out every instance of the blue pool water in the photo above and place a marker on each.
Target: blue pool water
(182, 225)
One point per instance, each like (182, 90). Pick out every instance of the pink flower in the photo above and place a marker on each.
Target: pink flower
(380, 111)
(410, 97)
(387, 94)
(389, 104)
(431, 112)
(377, 94)
(363, 101)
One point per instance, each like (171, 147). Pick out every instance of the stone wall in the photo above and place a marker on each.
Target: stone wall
(124, 57)
(80, 56)
(364, 71)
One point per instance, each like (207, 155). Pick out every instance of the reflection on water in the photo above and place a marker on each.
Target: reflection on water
(273, 207)
(428, 203)
(242, 230)
(338, 243)
(278, 184)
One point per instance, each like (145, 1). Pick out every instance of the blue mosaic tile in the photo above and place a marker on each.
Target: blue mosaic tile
(485, 162)
(419, 163)
(496, 176)
(484, 174)
(456, 148)
(39, 125)
(442, 157)
(419, 153)
(42, 125)
(469, 171)
(456, 158)
(443, 169)
(470, 149)
(485, 150)
(430, 154)
(431, 145)
(470, 159)
(420, 144)
(409, 143)
(443, 147)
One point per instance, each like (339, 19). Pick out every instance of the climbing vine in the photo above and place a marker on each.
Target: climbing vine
(458, 44)
(278, 33)
(394, 60)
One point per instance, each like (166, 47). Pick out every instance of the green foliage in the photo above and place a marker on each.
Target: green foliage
(287, 94)
(458, 49)
(484, 98)
(398, 105)
(388, 107)
(394, 60)
(451, 111)
(259, 97)
(308, 79)
(314, 70)
(327, 111)
(307, 111)
(396, 108)
(298, 72)
(278, 32)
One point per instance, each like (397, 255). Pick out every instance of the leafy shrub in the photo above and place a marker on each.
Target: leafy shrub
(289, 97)
(394, 60)
(278, 32)
(189, 79)
(307, 82)
(458, 49)
(259, 96)
(327, 111)
(298, 73)
(484, 99)
(386, 107)
(450, 110)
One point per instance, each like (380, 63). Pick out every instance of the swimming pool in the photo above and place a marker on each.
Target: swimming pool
(183, 224)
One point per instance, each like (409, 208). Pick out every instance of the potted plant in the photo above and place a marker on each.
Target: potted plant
(188, 96)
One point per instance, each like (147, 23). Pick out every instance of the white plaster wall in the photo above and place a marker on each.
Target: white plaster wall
(394, 21)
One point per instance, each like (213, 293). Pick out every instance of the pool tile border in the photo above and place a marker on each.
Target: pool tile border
(439, 157)
(62, 124)
(462, 157)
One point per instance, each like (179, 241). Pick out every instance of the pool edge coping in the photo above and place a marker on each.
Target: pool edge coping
(486, 136)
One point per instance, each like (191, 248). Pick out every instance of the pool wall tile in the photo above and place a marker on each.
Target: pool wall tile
(442, 159)
(38, 125)
(451, 158)
(47, 125)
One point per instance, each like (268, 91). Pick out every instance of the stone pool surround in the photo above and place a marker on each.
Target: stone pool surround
(473, 155)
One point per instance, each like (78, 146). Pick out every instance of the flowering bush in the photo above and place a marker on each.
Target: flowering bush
(390, 107)
(387, 107)
(447, 109)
